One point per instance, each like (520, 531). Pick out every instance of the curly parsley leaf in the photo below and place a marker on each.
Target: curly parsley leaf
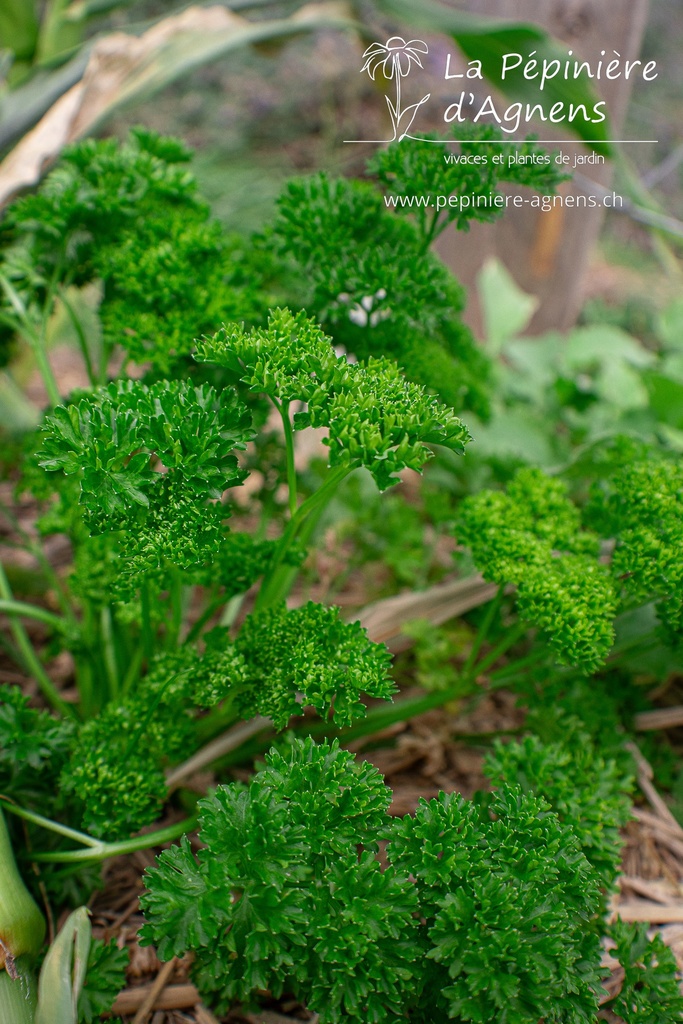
(374, 416)
(531, 536)
(105, 978)
(138, 450)
(281, 662)
(585, 791)
(499, 886)
(650, 992)
(483, 910)
(366, 275)
(640, 507)
(279, 892)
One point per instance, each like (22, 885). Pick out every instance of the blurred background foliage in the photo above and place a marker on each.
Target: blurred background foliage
(262, 113)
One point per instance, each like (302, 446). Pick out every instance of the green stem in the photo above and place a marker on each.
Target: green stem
(85, 666)
(80, 334)
(377, 719)
(22, 927)
(289, 452)
(380, 718)
(34, 548)
(217, 721)
(61, 592)
(31, 611)
(102, 851)
(47, 687)
(483, 631)
(500, 677)
(283, 580)
(176, 611)
(18, 995)
(275, 586)
(212, 607)
(231, 611)
(133, 670)
(147, 640)
(108, 652)
(36, 340)
(432, 232)
(96, 849)
(48, 823)
(508, 640)
(85, 687)
(45, 370)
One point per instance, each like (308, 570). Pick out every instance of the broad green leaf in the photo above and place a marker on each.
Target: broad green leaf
(488, 40)
(637, 632)
(670, 325)
(616, 359)
(63, 971)
(672, 365)
(19, 27)
(530, 367)
(518, 433)
(666, 398)
(506, 308)
(603, 345)
(672, 437)
(58, 34)
(622, 386)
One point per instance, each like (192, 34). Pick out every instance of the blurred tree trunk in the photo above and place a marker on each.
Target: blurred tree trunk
(548, 253)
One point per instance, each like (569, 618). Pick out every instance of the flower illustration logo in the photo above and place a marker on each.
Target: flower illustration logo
(395, 58)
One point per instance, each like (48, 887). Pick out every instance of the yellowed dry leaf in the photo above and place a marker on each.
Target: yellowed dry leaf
(122, 67)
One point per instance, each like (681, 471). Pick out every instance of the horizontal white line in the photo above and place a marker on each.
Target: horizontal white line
(508, 142)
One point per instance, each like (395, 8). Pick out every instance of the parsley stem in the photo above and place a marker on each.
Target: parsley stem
(18, 996)
(289, 453)
(379, 718)
(46, 373)
(278, 579)
(99, 850)
(95, 849)
(433, 231)
(210, 610)
(47, 687)
(147, 638)
(32, 546)
(177, 608)
(31, 611)
(482, 632)
(35, 340)
(133, 670)
(217, 748)
(47, 823)
(85, 674)
(511, 637)
(108, 652)
(80, 334)
(501, 675)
